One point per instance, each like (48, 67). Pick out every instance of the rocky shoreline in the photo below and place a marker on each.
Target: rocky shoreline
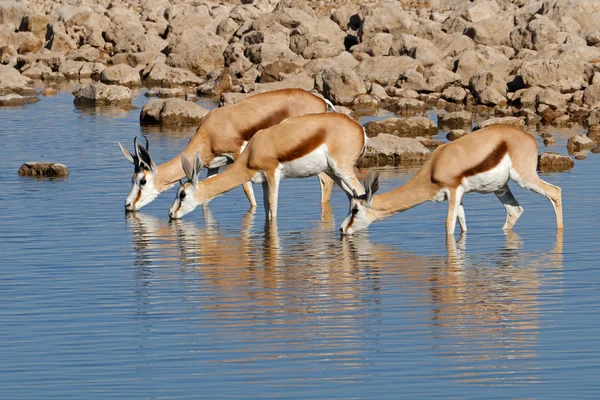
(537, 61)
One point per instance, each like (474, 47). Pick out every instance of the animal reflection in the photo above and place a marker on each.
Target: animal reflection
(482, 311)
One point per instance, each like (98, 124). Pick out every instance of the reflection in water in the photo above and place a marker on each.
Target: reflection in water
(311, 294)
(490, 307)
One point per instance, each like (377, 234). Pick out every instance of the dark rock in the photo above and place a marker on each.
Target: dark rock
(43, 169)
(554, 162)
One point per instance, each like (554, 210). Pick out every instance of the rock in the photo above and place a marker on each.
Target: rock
(49, 169)
(392, 150)
(591, 96)
(172, 112)
(511, 121)
(549, 141)
(340, 85)
(163, 93)
(12, 81)
(163, 75)
(593, 117)
(378, 45)
(85, 53)
(272, 71)
(481, 10)
(538, 34)
(554, 162)
(454, 94)
(404, 127)
(491, 32)
(420, 49)
(488, 88)
(36, 24)
(228, 99)
(378, 91)
(594, 132)
(388, 17)
(346, 16)
(300, 81)
(102, 94)
(455, 134)
(385, 70)
(12, 12)
(317, 38)
(563, 75)
(579, 142)
(552, 98)
(8, 55)
(366, 104)
(428, 142)
(121, 74)
(196, 51)
(458, 119)
(14, 99)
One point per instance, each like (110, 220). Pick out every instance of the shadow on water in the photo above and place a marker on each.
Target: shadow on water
(484, 309)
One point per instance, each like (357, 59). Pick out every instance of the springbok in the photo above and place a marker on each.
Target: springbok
(299, 147)
(482, 161)
(220, 138)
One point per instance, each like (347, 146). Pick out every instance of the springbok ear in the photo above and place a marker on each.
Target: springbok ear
(144, 156)
(188, 168)
(371, 186)
(197, 168)
(127, 154)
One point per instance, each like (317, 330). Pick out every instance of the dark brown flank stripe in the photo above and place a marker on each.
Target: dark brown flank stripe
(304, 148)
(272, 119)
(488, 163)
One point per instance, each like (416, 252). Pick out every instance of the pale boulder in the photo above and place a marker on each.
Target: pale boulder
(340, 85)
(388, 149)
(404, 127)
(172, 112)
(121, 74)
(102, 94)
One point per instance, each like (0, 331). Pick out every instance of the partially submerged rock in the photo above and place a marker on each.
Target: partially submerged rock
(455, 134)
(43, 169)
(14, 99)
(579, 142)
(554, 162)
(172, 112)
(101, 94)
(458, 119)
(404, 127)
(388, 149)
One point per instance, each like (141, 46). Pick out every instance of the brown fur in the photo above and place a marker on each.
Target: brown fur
(489, 162)
(305, 147)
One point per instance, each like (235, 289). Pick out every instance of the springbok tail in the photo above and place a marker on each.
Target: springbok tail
(330, 107)
(364, 150)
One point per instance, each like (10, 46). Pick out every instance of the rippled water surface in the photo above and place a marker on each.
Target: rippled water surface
(97, 304)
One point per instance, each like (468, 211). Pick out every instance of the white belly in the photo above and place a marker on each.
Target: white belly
(489, 181)
(309, 165)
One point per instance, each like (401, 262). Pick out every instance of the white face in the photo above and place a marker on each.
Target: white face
(142, 190)
(357, 218)
(184, 201)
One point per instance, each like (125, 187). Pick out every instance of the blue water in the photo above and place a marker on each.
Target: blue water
(97, 304)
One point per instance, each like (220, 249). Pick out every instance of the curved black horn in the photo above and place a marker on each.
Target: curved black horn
(147, 143)
(135, 147)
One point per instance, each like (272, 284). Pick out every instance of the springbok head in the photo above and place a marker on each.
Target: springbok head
(143, 190)
(359, 217)
(185, 201)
